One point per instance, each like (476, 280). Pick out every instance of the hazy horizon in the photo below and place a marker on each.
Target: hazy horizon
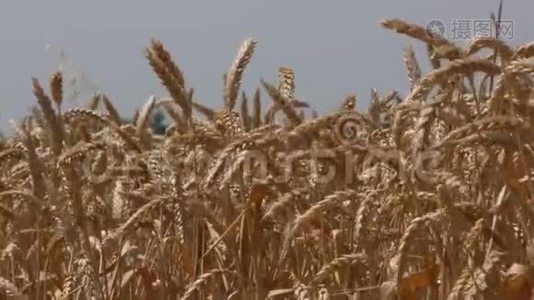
(335, 49)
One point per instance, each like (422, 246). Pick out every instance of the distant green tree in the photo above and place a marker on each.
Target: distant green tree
(159, 122)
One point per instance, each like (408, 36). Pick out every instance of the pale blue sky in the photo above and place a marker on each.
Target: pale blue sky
(336, 47)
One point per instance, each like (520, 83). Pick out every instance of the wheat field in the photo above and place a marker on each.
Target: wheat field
(427, 195)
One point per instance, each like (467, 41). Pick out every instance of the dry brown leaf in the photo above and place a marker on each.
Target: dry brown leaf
(517, 284)
(411, 284)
